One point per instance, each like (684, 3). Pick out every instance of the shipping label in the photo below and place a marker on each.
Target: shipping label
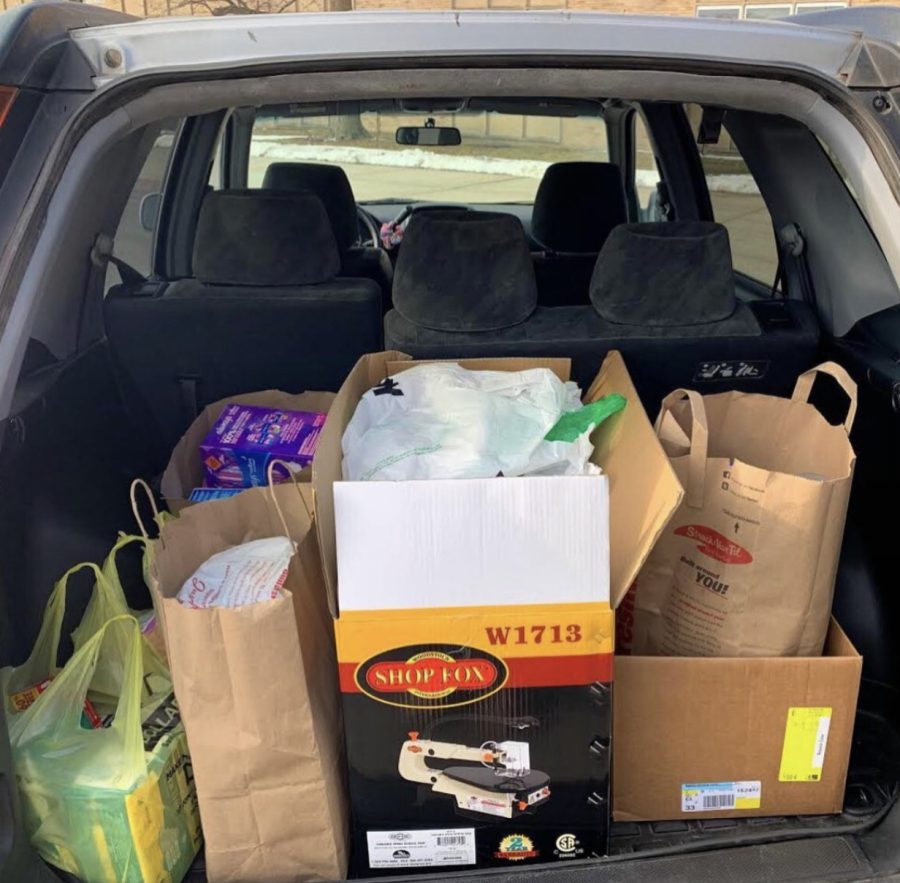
(717, 796)
(805, 740)
(421, 849)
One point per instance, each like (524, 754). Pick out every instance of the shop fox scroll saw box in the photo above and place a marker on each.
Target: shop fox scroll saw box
(475, 636)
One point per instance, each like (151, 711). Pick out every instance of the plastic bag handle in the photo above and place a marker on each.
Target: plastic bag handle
(61, 704)
(694, 492)
(270, 475)
(46, 646)
(135, 509)
(153, 662)
(123, 540)
(839, 374)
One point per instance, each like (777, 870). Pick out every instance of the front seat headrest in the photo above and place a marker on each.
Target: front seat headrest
(330, 184)
(464, 271)
(576, 206)
(665, 274)
(262, 238)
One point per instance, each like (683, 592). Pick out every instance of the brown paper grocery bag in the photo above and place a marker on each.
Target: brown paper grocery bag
(746, 566)
(257, 689)
(185, 471)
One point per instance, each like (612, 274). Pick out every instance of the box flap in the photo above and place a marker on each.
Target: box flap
(837, 643)
(367, 372)
(643, 489)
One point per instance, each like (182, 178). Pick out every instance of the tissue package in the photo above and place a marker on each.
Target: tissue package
(245, 439)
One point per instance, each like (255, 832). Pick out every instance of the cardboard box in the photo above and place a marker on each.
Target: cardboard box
(474, 631)
(700, 738)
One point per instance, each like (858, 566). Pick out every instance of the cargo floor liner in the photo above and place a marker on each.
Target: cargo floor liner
(873, 783)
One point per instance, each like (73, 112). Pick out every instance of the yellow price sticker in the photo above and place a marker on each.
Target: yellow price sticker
(805, 740)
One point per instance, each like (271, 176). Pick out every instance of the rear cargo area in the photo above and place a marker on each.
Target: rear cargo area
(81, 404)
(673, 271)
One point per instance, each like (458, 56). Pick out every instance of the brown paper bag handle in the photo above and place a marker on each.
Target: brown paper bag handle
(840, 376)
(270, 471)
(139, 483)
(694, 492)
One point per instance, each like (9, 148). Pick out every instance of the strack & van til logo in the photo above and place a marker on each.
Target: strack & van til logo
(431, 676)
(516, 848)
(714, 544)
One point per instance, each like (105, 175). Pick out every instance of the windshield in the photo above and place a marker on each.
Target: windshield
(500, 158)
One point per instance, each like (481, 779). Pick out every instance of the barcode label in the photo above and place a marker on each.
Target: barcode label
(421, 849)
(717, 796)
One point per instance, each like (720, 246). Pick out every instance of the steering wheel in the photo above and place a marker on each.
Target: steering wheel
(370, 224)
(392, 232)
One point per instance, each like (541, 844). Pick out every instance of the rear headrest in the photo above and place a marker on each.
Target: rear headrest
(464, 271)
(668, 273)
(330, 184)
(576, 205)
(264, 238)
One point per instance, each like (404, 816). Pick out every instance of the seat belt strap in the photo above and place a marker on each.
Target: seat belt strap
(102, 255)
(792, 251)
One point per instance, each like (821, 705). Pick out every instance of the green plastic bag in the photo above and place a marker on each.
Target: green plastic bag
(116, 804)
(111, 602)
(24, 683)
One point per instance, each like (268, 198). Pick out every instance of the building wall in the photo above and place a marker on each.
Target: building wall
(153, 8)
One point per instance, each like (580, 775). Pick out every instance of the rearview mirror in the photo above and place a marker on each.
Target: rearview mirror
(148, 211)
(429, 136)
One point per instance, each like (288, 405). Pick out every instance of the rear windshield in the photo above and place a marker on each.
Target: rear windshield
(500, 158)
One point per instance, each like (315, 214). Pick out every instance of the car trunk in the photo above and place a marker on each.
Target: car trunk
(74, 446)
(78, 433)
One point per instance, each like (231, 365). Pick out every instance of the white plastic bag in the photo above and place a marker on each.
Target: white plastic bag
(443, 421)
(241, 575)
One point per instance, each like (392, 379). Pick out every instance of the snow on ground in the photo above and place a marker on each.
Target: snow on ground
(282, 147)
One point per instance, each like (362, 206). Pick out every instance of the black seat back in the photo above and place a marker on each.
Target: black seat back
(665, 298)
(332, 186)
(266, 309)
(464, 272)
(576, 206)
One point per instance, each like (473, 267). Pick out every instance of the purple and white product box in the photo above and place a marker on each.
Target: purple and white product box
(246, 438)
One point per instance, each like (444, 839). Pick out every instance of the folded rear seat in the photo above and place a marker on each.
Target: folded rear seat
(267, 309)
(662, 294)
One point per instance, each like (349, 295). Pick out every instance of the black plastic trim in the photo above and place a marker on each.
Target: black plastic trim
(34, 38)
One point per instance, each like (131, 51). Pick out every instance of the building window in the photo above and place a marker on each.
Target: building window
(718, 12)
(761, 11)
(768, 11)
(818, 7)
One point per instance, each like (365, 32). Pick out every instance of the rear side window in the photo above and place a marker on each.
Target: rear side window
(738, 204)
(137, 226)
(646, 173)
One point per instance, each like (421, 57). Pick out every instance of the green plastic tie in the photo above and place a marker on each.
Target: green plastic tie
(573, 424)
